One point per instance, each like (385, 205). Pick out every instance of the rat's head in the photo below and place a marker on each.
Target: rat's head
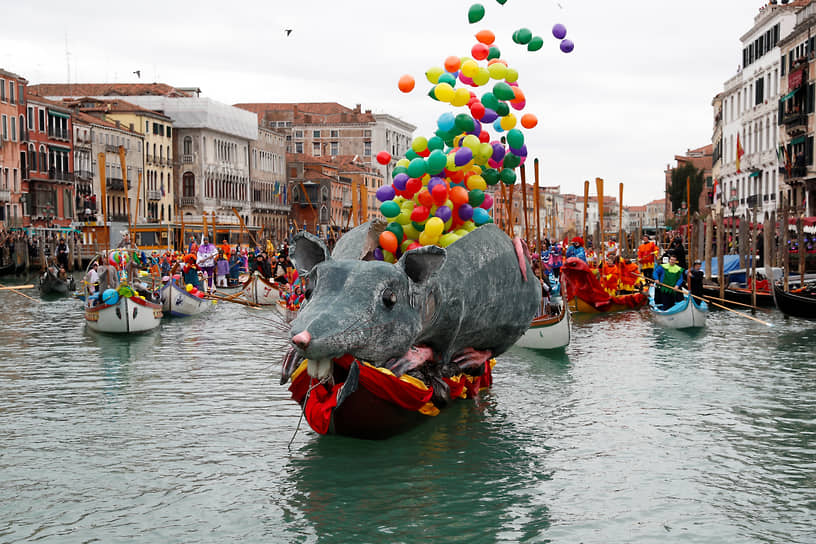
(371, 309)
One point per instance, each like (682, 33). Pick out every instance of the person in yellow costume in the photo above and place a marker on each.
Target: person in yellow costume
(647, 256)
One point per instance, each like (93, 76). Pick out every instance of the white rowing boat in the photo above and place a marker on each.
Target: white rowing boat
(548, 332)
(177, 302)
(126, 315)
(685, 314)
(259, 290)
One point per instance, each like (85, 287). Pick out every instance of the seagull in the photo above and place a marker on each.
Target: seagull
(288, 31)
(138, 74)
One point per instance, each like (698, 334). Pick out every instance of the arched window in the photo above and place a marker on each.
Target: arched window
(32, 157)
(324, 214)
(43, 159)
(188, 145)
(188, 184)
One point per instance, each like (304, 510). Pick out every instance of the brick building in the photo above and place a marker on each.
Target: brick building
(13, 138)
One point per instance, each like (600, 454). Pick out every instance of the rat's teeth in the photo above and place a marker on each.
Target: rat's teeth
(319, 369)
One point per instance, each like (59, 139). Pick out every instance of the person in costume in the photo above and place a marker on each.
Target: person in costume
(609, 274)
(206, 260)
(668, 275)
(647, 256)
(695, 279)
(576, 249)
(190, 272)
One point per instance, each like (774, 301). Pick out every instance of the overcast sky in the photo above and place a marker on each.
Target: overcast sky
(635, 92)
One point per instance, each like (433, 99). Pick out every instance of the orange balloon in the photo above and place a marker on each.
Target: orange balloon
(406, 83)
(528, 120)
(458, 195)
(452, 63)
(519, 95)
(388, 241)
(485, 36)
(491, 61)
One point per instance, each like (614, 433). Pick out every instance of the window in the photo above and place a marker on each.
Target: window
(316, 134)
(367, 149)
(335, 133)
(335, 149)
(298, 134)
(188, 184)
(315, 149)
(188, 145)
(298, 147)
(42, 120)
(30, 118)
(11, 92)
(4, 127)
(13, 129)
(3, 90)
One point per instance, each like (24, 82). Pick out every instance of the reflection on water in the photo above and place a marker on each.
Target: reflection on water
(633, 433)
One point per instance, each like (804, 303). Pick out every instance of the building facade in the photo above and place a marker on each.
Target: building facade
(13, 140)
(267, 178)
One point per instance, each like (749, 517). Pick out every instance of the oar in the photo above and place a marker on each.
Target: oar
(13, 290)
(713, 303)
(709, 298)
(29, 286)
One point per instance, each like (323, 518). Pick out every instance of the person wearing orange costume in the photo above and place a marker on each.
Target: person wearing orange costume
(647, 256)
(609, 274)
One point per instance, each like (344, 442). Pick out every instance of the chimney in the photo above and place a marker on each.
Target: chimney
(357, 108)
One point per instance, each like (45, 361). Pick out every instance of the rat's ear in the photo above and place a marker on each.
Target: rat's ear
(309, 251)
(421, 263)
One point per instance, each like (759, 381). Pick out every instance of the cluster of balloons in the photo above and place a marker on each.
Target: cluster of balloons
(524, 36)
(193, 290)
(559, 32)
(121, 257)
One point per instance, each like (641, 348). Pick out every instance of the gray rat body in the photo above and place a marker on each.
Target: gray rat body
(436, 312)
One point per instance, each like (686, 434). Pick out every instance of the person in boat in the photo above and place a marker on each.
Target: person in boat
(278, 271)
(62, 274)
(679, 251)
(609, 273)
(576, 249)
(92, 278)
(62, 253)
(695, 279)
(647, 256)
(222, 270)
(670, 277)
(235, 266)
(193, 247)
(189, 271)
(205, 260)
(225, 247)
(261, 266)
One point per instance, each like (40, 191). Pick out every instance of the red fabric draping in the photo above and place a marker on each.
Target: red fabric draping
(582, 283)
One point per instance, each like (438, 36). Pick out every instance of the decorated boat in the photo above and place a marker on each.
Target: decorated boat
(261, 291)
(685, 314)
(178, 302)
(122, 314)
(548, 331)
(52, 284)
(797, 302)
(585, 293)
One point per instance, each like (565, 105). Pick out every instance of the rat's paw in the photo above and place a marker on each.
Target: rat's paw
(413, 359)
(470, 358)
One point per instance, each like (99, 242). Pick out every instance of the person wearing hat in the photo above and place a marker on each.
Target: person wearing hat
(695, 279)
(205, 260)
(576, 249)
(670, 277)
(647, 256)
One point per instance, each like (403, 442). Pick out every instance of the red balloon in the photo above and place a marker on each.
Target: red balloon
(439, 194)
(420, 214)
(383, 157)
(412, 186)
(406, 83)
(425, 198)
(413, 245)
(477, 110)
(424, 153)
(459, 196)
(484, 137)
(480, 51)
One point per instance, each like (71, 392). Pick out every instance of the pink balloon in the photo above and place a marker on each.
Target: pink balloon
(487, 203)
(518, 106)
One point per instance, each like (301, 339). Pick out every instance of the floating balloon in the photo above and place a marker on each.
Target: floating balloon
(385, 193)
(383, 157)
(522, 36)
(406, 83)
(486, 37)
(433, 74)
(475, 13)
(452, 63)
(528, 120)
(567, 46)
(559, 31)
(535, 44)
(388, 241)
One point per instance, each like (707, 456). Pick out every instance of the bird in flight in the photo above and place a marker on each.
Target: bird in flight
(288, 31)
(138, 74)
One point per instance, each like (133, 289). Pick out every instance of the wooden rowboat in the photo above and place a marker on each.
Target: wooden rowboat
(51, 284)
(686, 314)
(548, 332)
(801, 304)
(177, 302)
(259, 290)
(127, 315)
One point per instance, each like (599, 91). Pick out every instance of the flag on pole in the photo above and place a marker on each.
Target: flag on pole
(740, 153)
(788, 164)
(716, 190)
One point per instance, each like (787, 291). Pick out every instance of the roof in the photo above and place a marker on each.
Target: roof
(12, 75)
(82, 117)
(90, 104)
(310, 112)
(32, 97)
(106, 89)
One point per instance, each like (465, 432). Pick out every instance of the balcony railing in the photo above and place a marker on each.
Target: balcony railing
(83, 175)
(187, 158)
(115, 184)
(59, 175)
(154, 195)
(111, 148)
(149, 159)
(119, 217)
(58, 133)
(188, 201)
(794, 119)
(5, 195)
(752, 201)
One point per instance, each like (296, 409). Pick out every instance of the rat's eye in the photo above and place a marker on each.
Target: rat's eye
(389, 298)
(308, 292)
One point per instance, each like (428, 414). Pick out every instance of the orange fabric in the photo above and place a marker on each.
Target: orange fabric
(609, 277)
(646, 254)
(629, 276)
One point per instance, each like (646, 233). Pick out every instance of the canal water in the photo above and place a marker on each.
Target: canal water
(631, 434)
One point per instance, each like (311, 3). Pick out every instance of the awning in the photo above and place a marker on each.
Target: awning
(59, 114)
(790, 94)
(755, 174)
(798, 140)
(795, 78)
(60, 147)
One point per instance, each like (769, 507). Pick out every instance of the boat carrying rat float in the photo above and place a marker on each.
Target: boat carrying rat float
(379, 347)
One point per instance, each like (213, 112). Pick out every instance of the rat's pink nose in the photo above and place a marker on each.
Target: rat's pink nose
(302, 339)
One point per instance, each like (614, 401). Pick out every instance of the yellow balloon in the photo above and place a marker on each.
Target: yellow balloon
(403, 218)
(482, 76)
(471, 142)
(483, 153)
(452, 163)
(457, 140)
(460, 97)
(447, 239)
(478, 169)
(508, 121)
(469, 68)
(497, 70)
(433, 74)
(389, 257)
(476, 182)
(444, 92)
(434, 227)
(405, 244)
(407, 205)
(403, 162)
(511, 76)
(410, 232)
(426, 240)
(469, 226)
(420, 143)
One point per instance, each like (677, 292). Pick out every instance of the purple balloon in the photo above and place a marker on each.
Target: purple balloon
(522, 152)
(403, 177)
(489, 116)
(433, 182)
(477, 128)
(463, 156)
(399, 184)
(385, 193)
(559, 31)
(378, 254)
(443, 213)
(465, 212)
(567, 46)
(498, 152)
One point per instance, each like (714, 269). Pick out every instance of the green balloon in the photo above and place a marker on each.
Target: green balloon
(464, 122)
(503, 91)
(476, 197)
(491, 176)
(432, 94)
(515, 138)
(417, 167)
(502, 109)
(390, 209)
(511, 160)
(535, 44)
(523, 35)
(418, 226)
(436, 142)
(493, 53)
(437, 161)
(515, 37)
(398, 170)
(502, 2)
(448, 78)
(507, 176)
(489, 100)
(396, 228)
(475, 13)
(411, 155)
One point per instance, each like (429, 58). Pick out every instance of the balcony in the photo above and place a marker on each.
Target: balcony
(5, 195)
(154, 195)
(752, 201)
(59, 175)
(111, 148)
(58, 133)
(148, 159)
(83, 175)
(188, 201)
(187, 158)
(229, 203)
(24, 135)
(347, 203)
(794, 119)
(119, 217)
(115, 184)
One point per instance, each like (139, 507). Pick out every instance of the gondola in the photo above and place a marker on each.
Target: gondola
(796, 303)
(177, 302)
(51, 284)
(685, 314)
(548, 331)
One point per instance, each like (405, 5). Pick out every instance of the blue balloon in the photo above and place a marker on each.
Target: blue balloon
(497, 126)
(446, 121)
(481, 216)
(110, 297)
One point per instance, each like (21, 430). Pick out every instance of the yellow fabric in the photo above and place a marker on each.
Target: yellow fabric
(300, 369)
